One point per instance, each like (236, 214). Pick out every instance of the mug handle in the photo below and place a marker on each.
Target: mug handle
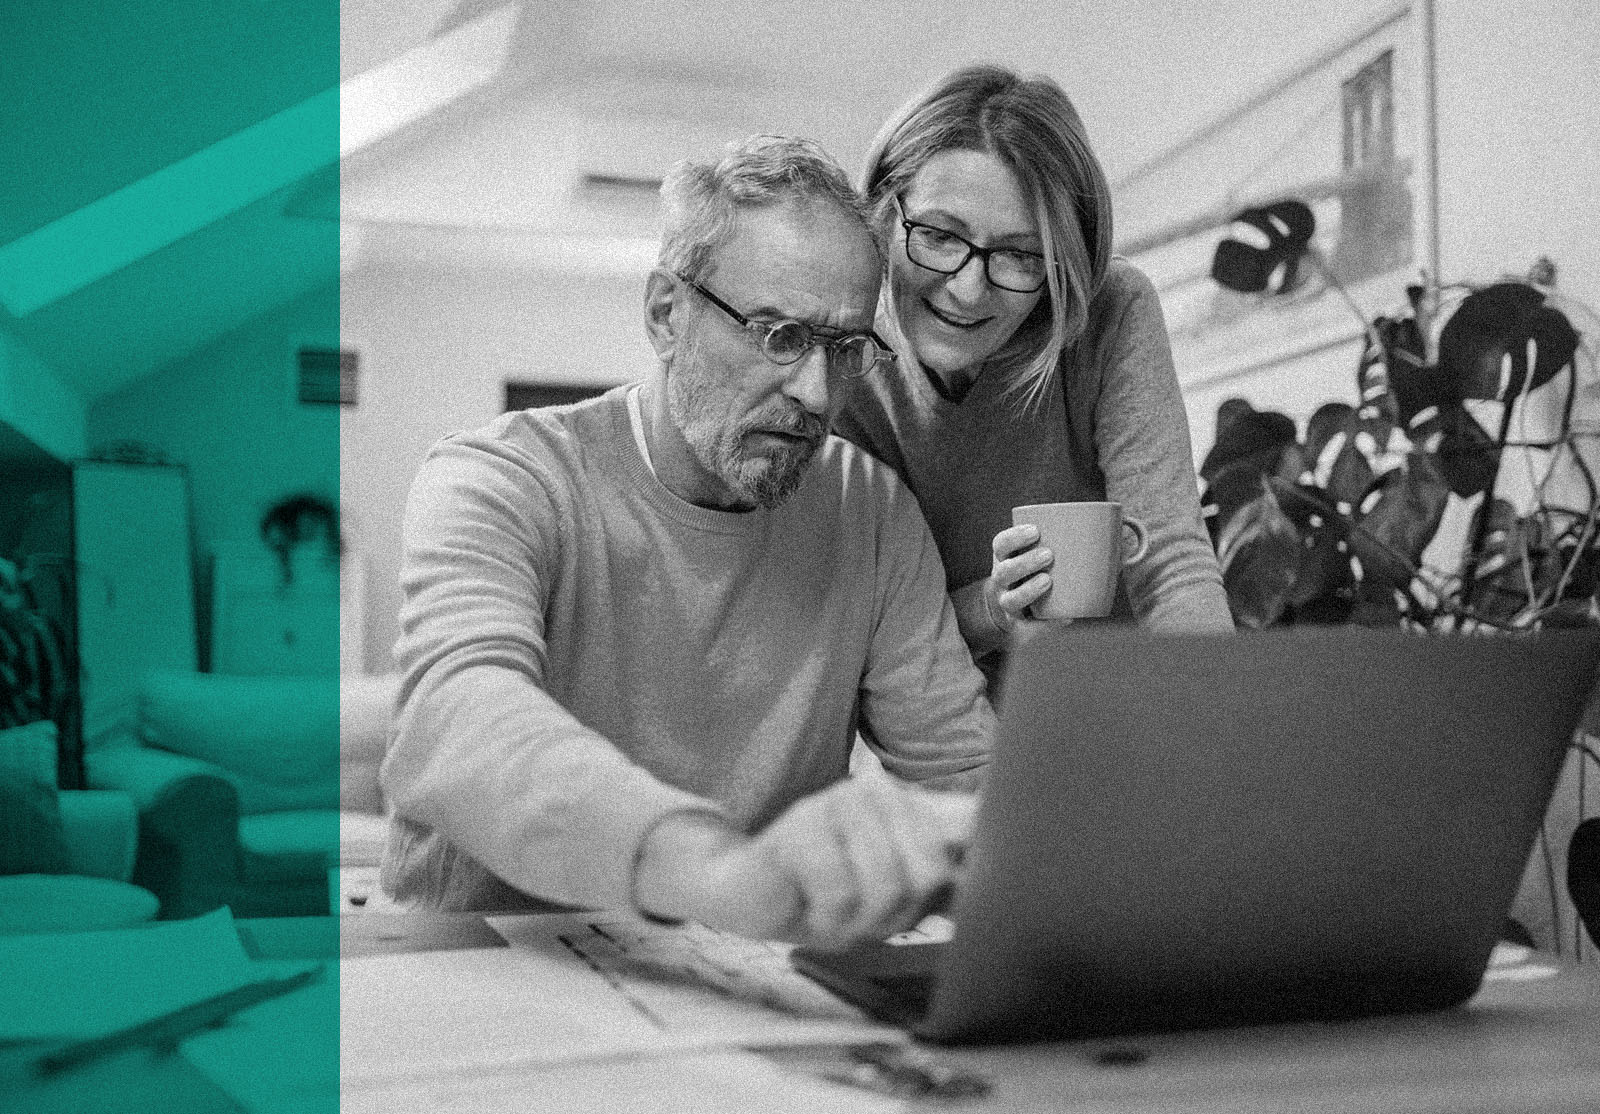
(1141, 540)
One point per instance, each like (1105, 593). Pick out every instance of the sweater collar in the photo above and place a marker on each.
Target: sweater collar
(636, 464)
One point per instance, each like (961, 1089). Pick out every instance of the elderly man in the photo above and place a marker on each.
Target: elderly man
(640, 633)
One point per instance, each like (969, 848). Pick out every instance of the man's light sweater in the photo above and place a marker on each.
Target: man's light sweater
(583, 652)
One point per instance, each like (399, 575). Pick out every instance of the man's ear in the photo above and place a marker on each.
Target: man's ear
(660, 295)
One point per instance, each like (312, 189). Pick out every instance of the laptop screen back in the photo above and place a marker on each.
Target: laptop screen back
(1192, 831)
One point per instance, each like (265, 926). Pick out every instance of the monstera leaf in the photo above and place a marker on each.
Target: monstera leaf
(1251, 444)
(1416, 386)
(1250, 268)
(1329, 420)
(1343, 550)
(1468, 458)
(1230, 490)
(1495, 581)
(1373, 385)
(1248, 435)
(1503, 340)
(1260, 554)
(1354, 449)
(1325, 580)
(1378, 606)
(1399, 518)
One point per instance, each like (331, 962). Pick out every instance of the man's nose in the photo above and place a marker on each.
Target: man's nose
(807, 381)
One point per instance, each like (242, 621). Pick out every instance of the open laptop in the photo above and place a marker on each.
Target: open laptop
(1191, 831)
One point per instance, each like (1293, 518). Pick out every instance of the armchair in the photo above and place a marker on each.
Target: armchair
(84, 839)
(236, 782)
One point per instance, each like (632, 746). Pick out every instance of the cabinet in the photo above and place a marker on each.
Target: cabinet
(134, 574)
(262, 624)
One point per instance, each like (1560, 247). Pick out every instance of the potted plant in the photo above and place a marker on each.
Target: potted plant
(1342, 523)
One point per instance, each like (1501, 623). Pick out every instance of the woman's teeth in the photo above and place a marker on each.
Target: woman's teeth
(954, 320)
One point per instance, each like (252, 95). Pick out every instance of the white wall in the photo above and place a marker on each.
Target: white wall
(437, 347)
(230, 414)
(36, 403)
(1519, 140)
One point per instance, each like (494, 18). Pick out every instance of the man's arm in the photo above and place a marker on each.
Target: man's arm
(484, 756)
(922, 699)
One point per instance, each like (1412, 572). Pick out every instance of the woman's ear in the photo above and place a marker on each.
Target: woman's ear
(660, 295)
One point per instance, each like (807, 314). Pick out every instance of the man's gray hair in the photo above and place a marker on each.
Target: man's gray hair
(702, 198)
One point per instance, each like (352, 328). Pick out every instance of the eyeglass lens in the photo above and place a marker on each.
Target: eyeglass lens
(788, 341)
(1019, 271)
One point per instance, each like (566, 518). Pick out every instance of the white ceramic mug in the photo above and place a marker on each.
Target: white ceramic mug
(1086, 539)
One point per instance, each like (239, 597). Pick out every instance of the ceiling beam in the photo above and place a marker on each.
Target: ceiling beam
(145, 216)
(376, 104)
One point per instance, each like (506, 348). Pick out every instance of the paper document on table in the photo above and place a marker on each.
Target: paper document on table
(421, 1014)
(279, 1056)
(689, 980)
(76, 985)
(578, 987)
(716, 1082)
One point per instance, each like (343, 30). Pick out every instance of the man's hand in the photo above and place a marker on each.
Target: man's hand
(859, 861)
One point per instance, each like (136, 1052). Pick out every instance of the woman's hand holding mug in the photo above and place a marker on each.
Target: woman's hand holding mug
(1019, 577)
(1085, 552)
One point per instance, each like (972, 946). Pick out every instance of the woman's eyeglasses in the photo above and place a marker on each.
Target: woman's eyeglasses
(938, 249)
(784, 342)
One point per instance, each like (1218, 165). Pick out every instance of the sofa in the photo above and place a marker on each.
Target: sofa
(240, 781)
(65, 855)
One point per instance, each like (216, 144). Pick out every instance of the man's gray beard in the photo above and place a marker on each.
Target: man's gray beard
(766, 480)
(774, 484)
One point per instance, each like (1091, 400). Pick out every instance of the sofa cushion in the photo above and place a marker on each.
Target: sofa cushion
(289, 846)
(32, 838)
(277, 738)
(71, 903)
(102, 828)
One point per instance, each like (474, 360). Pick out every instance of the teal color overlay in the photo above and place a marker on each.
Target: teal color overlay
(170, 559)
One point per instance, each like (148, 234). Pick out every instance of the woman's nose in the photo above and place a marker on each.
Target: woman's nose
(969, 282)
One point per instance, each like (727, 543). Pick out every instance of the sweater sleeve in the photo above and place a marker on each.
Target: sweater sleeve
(1142, 439)
(923, 708)
(485, 759)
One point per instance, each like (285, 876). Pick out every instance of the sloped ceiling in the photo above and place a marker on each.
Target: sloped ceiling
(104, 93)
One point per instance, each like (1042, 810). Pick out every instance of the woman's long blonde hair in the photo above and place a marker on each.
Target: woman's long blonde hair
(1029, 124)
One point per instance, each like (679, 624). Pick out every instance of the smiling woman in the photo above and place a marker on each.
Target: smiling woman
(1033, 367)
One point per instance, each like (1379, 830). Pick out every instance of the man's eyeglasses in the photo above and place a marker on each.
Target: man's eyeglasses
(784, 342)
(938, 249)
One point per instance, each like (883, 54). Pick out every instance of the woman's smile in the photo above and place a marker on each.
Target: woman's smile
(957, 320)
